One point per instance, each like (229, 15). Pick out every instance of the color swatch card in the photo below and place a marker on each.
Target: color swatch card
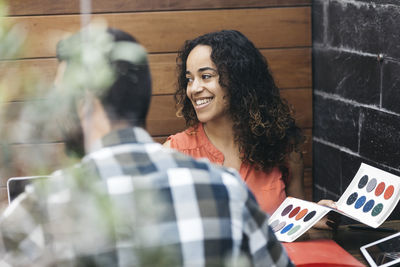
(294, 217)
(370, 198)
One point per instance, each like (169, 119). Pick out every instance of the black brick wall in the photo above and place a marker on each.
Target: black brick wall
(356, 95)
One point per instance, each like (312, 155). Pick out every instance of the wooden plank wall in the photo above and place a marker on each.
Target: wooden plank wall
(281, 29)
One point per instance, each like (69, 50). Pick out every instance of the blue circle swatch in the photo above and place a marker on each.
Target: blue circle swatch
(287, 228)
(360, 202)
(369, 205)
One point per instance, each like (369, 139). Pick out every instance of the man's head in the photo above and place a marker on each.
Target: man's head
(128, 96)
(110, 66)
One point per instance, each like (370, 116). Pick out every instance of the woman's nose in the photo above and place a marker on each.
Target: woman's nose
(196, 86)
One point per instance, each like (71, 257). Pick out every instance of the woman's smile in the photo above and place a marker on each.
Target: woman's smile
(203, 102)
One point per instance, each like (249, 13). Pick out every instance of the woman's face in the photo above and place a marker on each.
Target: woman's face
(209, 99)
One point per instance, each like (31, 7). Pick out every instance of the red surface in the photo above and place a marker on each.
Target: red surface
(320, 252)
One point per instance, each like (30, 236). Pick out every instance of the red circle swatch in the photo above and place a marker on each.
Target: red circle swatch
(294, 212)
(389, 192)
(379, 189)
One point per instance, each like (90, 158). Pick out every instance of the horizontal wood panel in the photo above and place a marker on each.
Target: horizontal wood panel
(291, 69)
(162, 119)
(30, 159)
(29, 122)
(166, 32)
(26, 79)
(308, 183)
(301, 102)
(31, 7)
(160, 139)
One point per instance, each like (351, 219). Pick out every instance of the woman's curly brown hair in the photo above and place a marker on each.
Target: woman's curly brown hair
(263, 126)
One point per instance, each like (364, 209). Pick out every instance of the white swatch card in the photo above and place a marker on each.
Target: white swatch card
(370, 198)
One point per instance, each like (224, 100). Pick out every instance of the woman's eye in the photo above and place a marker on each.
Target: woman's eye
(206, 76)
(189, 79)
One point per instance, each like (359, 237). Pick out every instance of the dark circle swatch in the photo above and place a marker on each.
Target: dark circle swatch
(294, 212)
(352, 198)
(371, 185)
(287, 228)
(309, 216)
(274, 224)
(379, 189)
(287, 210)
(369, 205)
(363, 181)
(294, 230)
(378, 208)
(389, 192)
(360, 202)
(279, 226)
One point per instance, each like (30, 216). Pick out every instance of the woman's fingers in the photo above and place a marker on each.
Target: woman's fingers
(328, 203)
(332, 220)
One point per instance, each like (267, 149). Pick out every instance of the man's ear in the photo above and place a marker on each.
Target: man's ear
(91, 113)
(62, 66)
(94, 121)
(85, 106)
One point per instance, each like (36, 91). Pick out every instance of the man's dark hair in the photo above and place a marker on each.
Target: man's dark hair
(128, 97)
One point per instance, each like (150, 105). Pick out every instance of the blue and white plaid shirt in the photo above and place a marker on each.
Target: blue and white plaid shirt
(132, 202)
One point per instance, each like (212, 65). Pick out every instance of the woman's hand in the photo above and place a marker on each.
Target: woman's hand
(330, 221)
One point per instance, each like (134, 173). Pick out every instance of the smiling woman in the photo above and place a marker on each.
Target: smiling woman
(236, 116)
(208, 98)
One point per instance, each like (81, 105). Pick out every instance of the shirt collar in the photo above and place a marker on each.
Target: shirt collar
(123, 136)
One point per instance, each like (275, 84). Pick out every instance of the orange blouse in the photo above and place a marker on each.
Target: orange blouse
(268, 188)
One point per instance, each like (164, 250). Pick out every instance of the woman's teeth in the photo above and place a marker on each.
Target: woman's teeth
(203, 101)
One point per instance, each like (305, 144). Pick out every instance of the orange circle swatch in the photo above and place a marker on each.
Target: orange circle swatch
(389, 192)
(301, 214)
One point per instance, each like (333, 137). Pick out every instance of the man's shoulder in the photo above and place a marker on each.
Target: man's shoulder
(152, 166)
(147, 157)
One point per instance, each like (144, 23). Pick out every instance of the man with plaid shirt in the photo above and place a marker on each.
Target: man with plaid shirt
(131, 202)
